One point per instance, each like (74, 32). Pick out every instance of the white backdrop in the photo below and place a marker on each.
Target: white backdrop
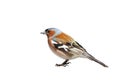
(25, 57)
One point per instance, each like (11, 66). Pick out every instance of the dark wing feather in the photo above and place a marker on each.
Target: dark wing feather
(69, 48)
(77, 45)
(69, 45)
(63, 47)
(58, 45)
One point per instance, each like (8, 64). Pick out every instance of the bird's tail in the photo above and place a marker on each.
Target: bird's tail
(89, 56)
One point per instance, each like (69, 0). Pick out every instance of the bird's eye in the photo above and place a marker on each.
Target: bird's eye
(47, 31)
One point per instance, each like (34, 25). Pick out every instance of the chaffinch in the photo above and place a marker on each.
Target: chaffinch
(66, 47)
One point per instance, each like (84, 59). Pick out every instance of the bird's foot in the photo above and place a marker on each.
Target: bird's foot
(65, 63)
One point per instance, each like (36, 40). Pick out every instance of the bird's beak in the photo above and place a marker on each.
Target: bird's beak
(42, 33)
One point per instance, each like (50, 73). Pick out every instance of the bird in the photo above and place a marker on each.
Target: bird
(66, 47)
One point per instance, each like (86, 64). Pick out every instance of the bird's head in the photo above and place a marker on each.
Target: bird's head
(51, 32)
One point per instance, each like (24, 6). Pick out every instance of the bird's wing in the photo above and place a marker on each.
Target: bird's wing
(70, 43)
(77, 45)
(69, 48)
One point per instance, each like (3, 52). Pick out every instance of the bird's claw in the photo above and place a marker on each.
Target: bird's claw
(63, 64)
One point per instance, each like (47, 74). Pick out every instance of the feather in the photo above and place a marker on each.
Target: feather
(90, 57)
(68, 48)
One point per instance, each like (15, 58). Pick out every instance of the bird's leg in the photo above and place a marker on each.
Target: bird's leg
(65, 63)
